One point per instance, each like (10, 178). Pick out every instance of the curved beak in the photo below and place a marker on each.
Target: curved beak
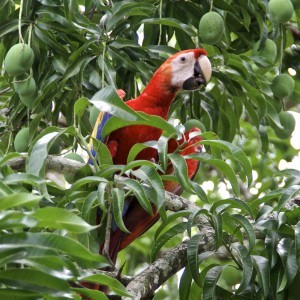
(202, 74)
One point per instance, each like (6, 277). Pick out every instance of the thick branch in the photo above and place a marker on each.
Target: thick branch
(144, 284)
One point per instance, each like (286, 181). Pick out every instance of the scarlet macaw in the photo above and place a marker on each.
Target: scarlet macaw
(188, 70)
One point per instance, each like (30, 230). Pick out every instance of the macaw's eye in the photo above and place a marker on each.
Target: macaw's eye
(182, 58)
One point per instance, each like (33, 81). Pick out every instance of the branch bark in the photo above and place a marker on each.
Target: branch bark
(145, 283)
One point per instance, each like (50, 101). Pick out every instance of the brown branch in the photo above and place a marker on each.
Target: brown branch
(66, 166)
(145, 283)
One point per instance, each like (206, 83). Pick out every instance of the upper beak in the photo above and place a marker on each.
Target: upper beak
(202, 74)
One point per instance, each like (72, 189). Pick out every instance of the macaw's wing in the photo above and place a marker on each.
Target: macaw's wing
(136, 219)
(97, 131)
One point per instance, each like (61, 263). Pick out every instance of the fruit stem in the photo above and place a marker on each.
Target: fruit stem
(20, 22)
(29, 34)
(160, 25)
(211, 5)
(281, 47)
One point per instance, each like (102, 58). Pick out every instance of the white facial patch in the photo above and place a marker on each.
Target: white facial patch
(182, 68)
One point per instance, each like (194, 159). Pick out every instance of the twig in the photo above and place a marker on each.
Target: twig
(5, 90)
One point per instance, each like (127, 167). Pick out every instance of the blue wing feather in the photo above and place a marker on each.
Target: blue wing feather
(97, 131)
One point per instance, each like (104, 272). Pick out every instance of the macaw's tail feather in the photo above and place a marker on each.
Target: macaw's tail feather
(137, 221)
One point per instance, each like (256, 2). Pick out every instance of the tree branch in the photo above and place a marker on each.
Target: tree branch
(67, 166)
(145, 283)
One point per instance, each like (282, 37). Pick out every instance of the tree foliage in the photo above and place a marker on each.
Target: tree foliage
(83, 51)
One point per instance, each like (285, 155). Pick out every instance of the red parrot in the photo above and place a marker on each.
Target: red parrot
(188, 70)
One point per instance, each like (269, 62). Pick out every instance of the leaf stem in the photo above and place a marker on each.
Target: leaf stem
(281, 46)
(20, 23)
(102, 67)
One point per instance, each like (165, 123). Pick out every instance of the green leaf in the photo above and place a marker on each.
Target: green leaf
(150, 176)
(185, 284)
(112, 283)
(101, 193)
(41, 146)
(103, 155)
(91, 294)
(86, 180)
(139, 193)
(181, 172)
(192, 256)
(115, 123)
(8, 26)
(222, 166)
(80, 105)
(19, 199)
(220, 205)
(52, 241)
(193, 217)
(237, 153)
(12, 294)
(33, 280)
(245, 223)
(165, 237)
(8, 157)
(135, 150)
(173, 23)
(261, 265)
(297, 243)
(218, 227)
(210, 282)
(286, 251)
(287, 195)
(24, 178)
(118, 196)
(108, 100)
(59, 218)
(139, 163)
(40, 150)
(123, 59)
(168, 220)
(5, 189)
(247, 264)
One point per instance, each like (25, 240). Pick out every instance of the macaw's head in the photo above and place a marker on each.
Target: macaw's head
(190, 69)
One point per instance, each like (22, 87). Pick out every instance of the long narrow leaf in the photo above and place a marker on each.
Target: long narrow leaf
(262, 268)
(118, 196)
(140, 194)
(237, 153)
(19, 199)
(210, 282)
(113, 283)
(55, 217)
(222, 166)
(176, 229)
(192, 256)
(245, 223)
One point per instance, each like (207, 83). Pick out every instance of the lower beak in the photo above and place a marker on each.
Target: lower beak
(195, 81)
